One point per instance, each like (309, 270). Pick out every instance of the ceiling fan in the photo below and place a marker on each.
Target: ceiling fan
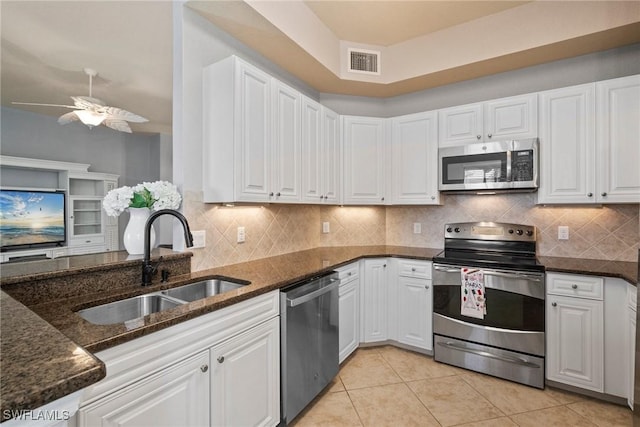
(93, 111)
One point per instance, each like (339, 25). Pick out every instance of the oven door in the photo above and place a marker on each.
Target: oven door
(475, 166)
(515, 306)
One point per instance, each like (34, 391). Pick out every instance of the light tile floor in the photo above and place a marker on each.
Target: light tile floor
(388, 386)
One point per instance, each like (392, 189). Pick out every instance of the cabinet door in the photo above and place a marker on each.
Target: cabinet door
(631, 357)
(252, 120)
(575, 342)
(374, 314)
(567, 145)
(458, 125)
(414, 309)
(349, 316)
(511, 118)
(331, 156)
(414, 154)
(312, 150)
(618, 140)
(175, 396)
(245, 382)
(364, 160)
(285, 171)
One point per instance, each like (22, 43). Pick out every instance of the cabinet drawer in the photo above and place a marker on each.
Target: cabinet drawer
(348, 272)
(575, 286)
(418, 269)
(93, 240)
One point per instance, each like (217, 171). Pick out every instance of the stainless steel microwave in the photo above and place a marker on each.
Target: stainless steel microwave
(494, 166)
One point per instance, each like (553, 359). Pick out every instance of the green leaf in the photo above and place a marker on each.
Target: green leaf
(142, 199)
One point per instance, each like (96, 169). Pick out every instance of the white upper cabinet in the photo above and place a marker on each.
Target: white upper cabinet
(285, 163)
(499, 119)
(364, 160)
(251, 135)
(618, 140)
(589, 143)
(414, 158)
(567, 145)
(320, 153)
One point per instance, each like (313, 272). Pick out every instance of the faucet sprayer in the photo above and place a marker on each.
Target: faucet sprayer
(148, 269)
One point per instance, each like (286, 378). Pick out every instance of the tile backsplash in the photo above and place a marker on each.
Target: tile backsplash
(606, 232)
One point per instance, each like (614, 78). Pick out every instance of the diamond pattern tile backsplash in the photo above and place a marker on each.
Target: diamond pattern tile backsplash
(608, 232)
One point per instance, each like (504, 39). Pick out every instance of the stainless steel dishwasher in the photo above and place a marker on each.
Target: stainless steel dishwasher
(308, 341)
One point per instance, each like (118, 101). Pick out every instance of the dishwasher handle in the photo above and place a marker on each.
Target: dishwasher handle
(334, 283)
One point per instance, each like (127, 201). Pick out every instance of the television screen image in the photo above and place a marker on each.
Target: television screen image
(31, 218)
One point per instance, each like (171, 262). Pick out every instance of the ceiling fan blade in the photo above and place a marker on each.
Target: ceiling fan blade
(67, 118)
(87, 103)
(120, 114)
(44, 105)
(120, 125)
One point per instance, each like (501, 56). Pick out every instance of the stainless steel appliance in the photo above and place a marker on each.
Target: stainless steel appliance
(508, 340)
(495, 166)
(308, 341)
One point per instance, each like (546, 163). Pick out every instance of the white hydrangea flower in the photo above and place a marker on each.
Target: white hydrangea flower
(164, 195)
(117, 200)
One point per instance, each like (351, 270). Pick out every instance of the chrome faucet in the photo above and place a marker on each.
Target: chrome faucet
(148, 269)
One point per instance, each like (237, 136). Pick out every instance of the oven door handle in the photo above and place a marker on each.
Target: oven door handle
(529, 277)
(514, 360)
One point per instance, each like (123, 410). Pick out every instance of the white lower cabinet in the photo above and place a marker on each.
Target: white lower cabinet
(175, 396)
(374, 298)
(414, 305)
(575, 334)
(245, 378)
(349, 310)
(632, 293)
(219, 369)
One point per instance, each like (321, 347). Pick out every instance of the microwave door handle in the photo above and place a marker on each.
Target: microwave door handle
(509, 165)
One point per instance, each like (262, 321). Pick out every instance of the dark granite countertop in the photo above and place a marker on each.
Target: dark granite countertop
(265, 275)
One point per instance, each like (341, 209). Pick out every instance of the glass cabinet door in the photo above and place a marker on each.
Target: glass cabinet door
(86, 216)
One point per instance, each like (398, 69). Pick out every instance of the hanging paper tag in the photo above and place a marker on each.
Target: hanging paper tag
(472, 296)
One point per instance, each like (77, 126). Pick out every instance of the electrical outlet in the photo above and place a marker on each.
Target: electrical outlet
(241, 235)
(563, 232)
(417, 228)
(325, 227)
(199, 239)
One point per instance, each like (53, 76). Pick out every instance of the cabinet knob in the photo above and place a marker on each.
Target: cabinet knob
(220, 359)
(204, 368)
(413, 269)
(382, 199)
(604, 194)
(326, 197)
(554, 304)
(490, 135)
(384, 265)
(574, 286)
(271, 194)
(350, 273)
(426, 287)
(478, 136)
(321, 197)
(589, 194)
(433, 197)
(278, 194)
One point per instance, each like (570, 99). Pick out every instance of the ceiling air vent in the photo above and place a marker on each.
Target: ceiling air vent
(364, 61)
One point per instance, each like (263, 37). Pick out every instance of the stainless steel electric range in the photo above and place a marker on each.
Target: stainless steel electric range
(488, 301)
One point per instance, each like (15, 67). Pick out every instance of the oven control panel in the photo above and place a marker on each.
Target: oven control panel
(490, 231)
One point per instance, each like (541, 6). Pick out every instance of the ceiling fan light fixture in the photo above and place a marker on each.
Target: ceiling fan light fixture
(90, 118)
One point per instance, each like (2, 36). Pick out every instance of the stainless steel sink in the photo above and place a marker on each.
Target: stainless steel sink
(128, 309)
(203, 289)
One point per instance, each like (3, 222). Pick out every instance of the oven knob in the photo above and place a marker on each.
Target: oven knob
(529, 233)
(519, 232)
(510, 231)
(457, 230)
(449, 229)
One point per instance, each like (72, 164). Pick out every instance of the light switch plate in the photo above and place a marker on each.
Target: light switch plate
(199, 239)
(563, 232)
(417, 228)
(241, 235)
(325, 227)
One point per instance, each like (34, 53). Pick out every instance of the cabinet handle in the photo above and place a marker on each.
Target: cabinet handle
(490, 135)
(604, 194)
(204, 368)
(589, 194)
(554, 304)
(478, 136)
(220, 359)
(574, 286)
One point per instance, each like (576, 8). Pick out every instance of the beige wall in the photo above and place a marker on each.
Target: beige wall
(610, 232)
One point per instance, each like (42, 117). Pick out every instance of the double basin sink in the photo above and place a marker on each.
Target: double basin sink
(130, 309)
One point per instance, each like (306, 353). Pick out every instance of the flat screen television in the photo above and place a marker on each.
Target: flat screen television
(30, 219)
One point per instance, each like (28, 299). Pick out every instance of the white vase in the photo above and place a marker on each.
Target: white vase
(133, 239)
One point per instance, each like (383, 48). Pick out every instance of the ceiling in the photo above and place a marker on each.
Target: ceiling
(46, 44)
